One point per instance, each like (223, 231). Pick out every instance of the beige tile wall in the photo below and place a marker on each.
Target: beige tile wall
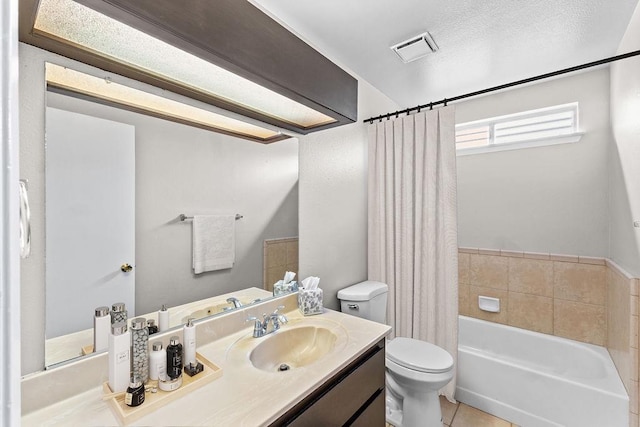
(553, 294)
(280, 256)
(582, 298)
(622, 320)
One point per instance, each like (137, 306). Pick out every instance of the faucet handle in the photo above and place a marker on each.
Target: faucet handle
(252, 319)
(282, 318)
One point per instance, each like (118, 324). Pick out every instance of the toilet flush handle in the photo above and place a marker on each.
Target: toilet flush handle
(353, 306)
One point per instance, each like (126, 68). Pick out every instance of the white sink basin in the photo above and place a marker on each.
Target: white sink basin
(292, 348)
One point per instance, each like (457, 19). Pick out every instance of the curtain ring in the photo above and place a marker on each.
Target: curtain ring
(431, 106)
(419, 107)
(445, 102)
(397, 114)
(408, 111)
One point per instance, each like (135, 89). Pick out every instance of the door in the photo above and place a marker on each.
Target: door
(90, 218)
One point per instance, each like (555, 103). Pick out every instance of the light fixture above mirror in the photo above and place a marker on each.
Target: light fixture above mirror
(226, 53)
(107, 91)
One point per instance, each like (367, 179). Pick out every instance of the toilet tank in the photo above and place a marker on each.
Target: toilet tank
(365, 299)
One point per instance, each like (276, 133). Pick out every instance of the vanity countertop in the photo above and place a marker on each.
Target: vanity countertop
(244, 395)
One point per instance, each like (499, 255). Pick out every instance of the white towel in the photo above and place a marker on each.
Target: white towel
(214, 246)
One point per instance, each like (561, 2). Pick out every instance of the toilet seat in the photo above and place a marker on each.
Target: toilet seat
(419, 355)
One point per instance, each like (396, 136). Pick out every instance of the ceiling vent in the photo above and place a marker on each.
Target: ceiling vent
(415, 48)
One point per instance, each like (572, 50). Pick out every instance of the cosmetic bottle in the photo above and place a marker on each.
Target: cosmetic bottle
(118, 313)
(140, 349)
(119, 357)
(157, 362)
(163, 319)
(135, 393)
(151, 326)
(174, 358)
(189, 338)
(173, 379)
(101, 329)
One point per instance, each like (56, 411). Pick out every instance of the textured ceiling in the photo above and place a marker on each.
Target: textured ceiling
(482, 43)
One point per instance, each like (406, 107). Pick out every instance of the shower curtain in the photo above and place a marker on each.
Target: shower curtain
(412, 226)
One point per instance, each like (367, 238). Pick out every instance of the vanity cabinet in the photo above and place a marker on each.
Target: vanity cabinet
(353, 397)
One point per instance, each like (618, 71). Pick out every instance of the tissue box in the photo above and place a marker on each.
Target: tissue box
(310, 301)
(280, 287)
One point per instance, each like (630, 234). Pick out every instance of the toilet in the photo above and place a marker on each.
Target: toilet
(415, 370)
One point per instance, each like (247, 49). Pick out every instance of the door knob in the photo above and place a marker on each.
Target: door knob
(126, 268)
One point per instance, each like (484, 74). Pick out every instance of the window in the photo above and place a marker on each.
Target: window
(534, 128)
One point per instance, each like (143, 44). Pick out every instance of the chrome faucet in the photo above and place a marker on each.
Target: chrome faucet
(261, 328)
(235, 301)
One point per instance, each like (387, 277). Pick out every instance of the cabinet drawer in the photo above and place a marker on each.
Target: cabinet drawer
(373, 415)
(345, 395)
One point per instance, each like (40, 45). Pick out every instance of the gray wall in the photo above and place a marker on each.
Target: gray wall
(179, 169)
(333, 199)
(624, 207)
(549, 199)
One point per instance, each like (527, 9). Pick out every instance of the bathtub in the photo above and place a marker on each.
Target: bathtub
(534, 379)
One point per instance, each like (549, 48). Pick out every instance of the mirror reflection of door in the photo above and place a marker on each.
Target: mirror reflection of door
(90, 218)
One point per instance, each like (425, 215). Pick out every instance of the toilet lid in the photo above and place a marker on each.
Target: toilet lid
(419, 355)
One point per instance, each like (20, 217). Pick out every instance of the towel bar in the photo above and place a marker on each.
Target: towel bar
(183, 217)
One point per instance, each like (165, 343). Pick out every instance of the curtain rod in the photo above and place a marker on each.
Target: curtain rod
(506, 85)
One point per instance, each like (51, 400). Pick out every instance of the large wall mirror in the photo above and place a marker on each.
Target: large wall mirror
(159, 169)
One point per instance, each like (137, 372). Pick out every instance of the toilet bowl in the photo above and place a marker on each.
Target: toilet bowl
(415, 370)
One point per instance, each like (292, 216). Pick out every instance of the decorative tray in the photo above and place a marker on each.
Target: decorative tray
(127, 414)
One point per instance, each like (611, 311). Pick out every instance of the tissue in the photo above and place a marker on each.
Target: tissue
(310, 283)
(310, 297)
(286, 285)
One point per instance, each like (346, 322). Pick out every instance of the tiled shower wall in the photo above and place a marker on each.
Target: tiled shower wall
(622, 331)
(582, 298)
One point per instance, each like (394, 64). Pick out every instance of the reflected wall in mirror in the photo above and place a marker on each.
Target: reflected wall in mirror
(178, 169)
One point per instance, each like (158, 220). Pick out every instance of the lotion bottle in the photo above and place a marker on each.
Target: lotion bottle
(163, 319)
(158, 362)
(101, 329)
(189, 338)
(119, 357)
(174, 358)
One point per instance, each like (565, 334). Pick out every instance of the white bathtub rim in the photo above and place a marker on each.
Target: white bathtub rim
(611, 383)
(483, 354)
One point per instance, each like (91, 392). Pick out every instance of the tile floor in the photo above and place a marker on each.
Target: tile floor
(461, 415)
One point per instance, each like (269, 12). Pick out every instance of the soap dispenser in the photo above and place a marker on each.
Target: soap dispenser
(189, 338)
